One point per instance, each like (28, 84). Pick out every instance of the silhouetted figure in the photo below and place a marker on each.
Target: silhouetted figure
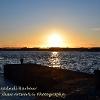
(21, 61)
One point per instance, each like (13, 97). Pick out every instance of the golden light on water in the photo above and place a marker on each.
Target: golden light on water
(55, 60)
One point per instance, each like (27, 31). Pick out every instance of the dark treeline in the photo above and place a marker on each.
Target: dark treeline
(93, 49)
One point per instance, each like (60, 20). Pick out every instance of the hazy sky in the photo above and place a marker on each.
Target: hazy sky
(31, 22)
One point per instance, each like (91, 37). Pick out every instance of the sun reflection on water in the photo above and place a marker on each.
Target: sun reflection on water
(54, 59)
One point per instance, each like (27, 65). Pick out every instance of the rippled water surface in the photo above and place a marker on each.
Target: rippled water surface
(79, 61)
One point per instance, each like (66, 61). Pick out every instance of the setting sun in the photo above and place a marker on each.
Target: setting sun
(55, 40)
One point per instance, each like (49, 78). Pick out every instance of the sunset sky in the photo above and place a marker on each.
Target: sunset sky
(49, 23)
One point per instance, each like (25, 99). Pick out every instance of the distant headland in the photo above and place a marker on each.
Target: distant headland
(92, 49)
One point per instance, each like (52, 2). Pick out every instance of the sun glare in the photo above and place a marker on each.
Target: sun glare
(55, 40)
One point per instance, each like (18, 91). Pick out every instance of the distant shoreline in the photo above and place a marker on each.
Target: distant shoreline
(93, 49)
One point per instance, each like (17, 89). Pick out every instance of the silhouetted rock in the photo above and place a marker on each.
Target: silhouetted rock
(97, 79)
(42, 76)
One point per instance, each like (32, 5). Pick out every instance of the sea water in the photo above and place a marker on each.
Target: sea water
(77, 61)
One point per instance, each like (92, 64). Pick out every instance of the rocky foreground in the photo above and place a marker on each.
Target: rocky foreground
(54, 83)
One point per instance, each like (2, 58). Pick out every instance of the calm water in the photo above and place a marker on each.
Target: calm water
(78, 61)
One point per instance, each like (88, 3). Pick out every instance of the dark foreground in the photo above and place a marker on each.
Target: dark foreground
(76, 85)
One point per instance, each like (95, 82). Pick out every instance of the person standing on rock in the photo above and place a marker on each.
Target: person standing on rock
(21, 60)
